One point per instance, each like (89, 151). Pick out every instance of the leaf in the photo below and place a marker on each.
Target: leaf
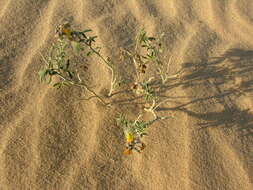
(144, 45)
(50, 79)
(88, 30)
(42, 74)
(52, 72)
(70, 74)
(144, 57)
(93, 38)
(57, 85)
(66, 83)
(67, 65)
(143, 134)
(151, 38)
(142, 36)
(76, 46)
(89, 53)
(149, 56)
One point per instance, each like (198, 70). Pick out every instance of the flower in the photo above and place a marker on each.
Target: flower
(127, 151)
(129, 137)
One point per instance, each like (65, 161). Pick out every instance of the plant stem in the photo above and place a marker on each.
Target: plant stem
(83, 86)
(113, 80)
(153, 108)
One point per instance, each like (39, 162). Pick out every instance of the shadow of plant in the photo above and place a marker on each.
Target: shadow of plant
(232, 117)
(227, 77)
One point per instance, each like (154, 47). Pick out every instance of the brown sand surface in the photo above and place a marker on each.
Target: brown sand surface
(51, 140)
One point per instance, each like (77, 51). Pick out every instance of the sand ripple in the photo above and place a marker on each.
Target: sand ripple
(49, 140)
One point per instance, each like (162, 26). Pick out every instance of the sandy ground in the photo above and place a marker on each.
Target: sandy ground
(50, 140)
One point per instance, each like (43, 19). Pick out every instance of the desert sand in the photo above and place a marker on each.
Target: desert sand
(49, 139)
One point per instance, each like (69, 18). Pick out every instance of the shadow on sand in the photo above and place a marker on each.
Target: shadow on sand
(227, 77)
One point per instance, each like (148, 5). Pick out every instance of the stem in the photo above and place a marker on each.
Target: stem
(153, 108)
(135, 62)
(113, 80)
(44, 59)
(154, 120)
(83, 86)
(137, 119)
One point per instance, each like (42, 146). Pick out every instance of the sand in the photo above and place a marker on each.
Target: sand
(51, 140)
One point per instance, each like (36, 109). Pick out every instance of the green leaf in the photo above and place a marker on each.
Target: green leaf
(93, 38)
(142, 36)
(57, 85)
(76, 46)
(88, 30)
(50, 79)
(52, 72)
(66, 83)
(89, 53)
(70, 74)
(151, 38)
(144, 45)
(42, 74)
(67, 65)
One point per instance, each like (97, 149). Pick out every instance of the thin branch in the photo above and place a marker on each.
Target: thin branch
(107, 63)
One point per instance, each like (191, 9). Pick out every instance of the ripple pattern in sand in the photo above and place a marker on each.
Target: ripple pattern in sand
(50, 140)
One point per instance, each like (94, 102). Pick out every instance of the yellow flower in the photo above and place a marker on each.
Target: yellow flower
(129, 137)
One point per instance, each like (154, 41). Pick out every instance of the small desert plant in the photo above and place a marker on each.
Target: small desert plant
(147, 53)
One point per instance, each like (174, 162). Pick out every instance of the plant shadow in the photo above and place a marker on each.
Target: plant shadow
(227, 78)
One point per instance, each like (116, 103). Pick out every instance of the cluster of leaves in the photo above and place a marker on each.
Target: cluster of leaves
(153, 50)
(133, 132)
(152, 46)
(136, 127)
(145, 89)
(147, 53)
(58, 61)
(57, 64)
